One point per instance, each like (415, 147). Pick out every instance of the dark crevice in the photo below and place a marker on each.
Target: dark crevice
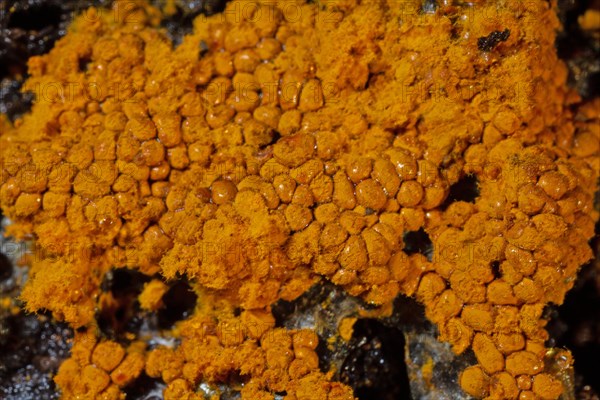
(418, 242)
(274, 139)
(203, 48)
(121, 315)
(180, 301)
(496, 269)
(593, 85)
(324, 353)
(487, 43)
(145, 388)
(371, 78)
(236, 380)
(409, 316)
(124, 282)
(6, 268)
(375, 365)
(466, 189)
(83, 63)
(455, 31)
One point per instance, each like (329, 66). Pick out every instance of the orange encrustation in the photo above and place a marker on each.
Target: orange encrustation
(286, 142)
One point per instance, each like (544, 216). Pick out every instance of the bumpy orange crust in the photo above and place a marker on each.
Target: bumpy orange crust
(301, 144)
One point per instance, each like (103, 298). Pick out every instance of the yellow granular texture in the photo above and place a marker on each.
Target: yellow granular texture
(285, 142)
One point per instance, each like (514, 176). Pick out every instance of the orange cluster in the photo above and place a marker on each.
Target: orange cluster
(283, 142)
(99, 369)
(268, 360)
(264, 359)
